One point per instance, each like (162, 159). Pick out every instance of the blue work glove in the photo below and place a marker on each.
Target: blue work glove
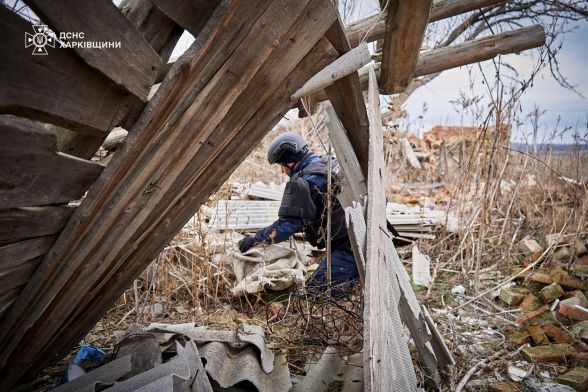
(246, 243)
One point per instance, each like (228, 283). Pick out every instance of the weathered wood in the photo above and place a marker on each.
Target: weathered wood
(7, 299)
(161, 32)
(405, 29)
(480, 49)
(373, 27)
(18, 275)
(387, 363)
(33, 172)
(347, 99)
(29, 222)
(58, 88)
(410, 154)
(134, 65)
(485, 48)
(346, 157)
(15, 254)
(343, 66)
(191, 15)
(163, 173)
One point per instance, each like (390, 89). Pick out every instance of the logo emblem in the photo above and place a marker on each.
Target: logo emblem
(39, 40)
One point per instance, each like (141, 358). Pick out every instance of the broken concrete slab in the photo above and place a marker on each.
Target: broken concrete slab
(576, 378)
(545, 354)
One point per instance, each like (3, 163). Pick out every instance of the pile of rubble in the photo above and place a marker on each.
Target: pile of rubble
(553, 326)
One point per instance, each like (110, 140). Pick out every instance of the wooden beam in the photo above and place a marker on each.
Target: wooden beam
(28, 222)
(405, 29)
(480, 49)
(58, 88)
(191, 15)
(134, 65)
(234, 83)
(469, 52)
(349, 63)
(373, 27)
(33, 172)
(347, 99)
(387, 363)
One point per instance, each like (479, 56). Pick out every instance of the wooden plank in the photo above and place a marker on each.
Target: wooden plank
(15, 254)
(387, 364)
(33, 173)
(28, 222)
(346, 157)
(191, 15)
(161, 32)
(17, 275)
(7, 299)
(480, 49)
(469, 52)
(373, 27)
(146, 207)
(347, 100)
(405, 29)
(134, 65)
(58, 88)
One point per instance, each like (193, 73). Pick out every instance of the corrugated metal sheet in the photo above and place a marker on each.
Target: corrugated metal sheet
(255, 214)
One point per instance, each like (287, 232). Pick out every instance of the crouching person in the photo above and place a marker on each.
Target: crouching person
(303, 209)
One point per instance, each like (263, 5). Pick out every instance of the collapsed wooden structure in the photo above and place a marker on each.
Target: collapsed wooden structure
(62, 267)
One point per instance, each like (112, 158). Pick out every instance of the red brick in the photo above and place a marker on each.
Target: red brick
(551, 292)
(540, 277)
(576, 378)
(557, 334)
(550, 353)
(530, 303)
(568, 307)
(503, 386)
(537, 335)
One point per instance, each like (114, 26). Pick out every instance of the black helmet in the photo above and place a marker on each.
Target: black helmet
(286, 148)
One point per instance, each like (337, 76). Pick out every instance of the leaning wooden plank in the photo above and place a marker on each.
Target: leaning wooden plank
(343, 66)
(191, 15)
(387, 364)
(7, 299)
(373, 27)
(33, 173)
(123, 56)
(346, 157)
(94, 239)
(15, 254)
(58, 87)
(347, 100)
(405, 29)
(28, 222)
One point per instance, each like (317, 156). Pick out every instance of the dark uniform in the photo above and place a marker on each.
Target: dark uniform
(303, 210)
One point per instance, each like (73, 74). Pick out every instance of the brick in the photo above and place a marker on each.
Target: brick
(541, 277)
(557, 274)
(530, 303)
(580, 268)
(551, 292)
(568, 308)
(537, 334)
(529, 246)
(533, 314)
(562, 254)
(512, 297)
(545, 354)
(503, 386)
(574, 283)
(580, 248)
(576, 378)
(557, 334)
(580, 330)
(531, 258)
(520, 337)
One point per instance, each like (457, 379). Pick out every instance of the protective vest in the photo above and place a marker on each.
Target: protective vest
(297, 203)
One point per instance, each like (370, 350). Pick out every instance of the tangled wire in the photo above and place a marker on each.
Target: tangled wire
(318, 319)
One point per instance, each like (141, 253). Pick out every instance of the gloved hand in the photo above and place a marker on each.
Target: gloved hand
(246, 243)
